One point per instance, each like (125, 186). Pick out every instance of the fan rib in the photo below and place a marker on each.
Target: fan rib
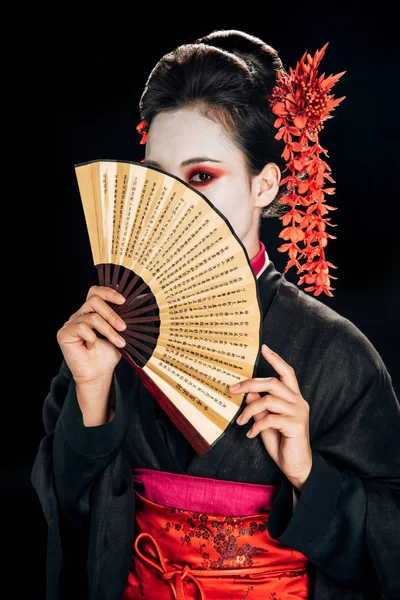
(136, 303)
(131, 286)
(114, 281)
(100, 273)
(146, 328)
(139, 300)
(135, 312)
(107, 275)
(141, 336)
(132, 350)
(134, 342)
(130, 297)
(124, 280)
(142, 320)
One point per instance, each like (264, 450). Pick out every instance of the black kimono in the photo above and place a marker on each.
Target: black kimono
(347, 518)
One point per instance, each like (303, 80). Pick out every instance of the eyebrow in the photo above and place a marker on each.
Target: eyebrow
(185, 163)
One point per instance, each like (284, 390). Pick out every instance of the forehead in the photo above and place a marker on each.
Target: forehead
(183, 133)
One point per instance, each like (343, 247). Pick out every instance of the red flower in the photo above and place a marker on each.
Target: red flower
(302, 102)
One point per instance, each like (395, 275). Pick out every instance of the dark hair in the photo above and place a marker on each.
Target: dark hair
(226, 76)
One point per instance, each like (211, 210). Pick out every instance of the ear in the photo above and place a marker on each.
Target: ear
(265, 185)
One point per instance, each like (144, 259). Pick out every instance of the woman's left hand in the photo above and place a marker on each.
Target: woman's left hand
(281, 417)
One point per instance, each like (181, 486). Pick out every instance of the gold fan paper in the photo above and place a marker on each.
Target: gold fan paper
(193, 311)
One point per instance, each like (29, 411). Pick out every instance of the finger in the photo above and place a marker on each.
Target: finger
(106, 293)
(261, 415)
(271, 403)
(95, 321)
(271, 385)
(101, 307)
(98, 305)
(79, 331)
(278, 422)
(252, 396)
(286, 372)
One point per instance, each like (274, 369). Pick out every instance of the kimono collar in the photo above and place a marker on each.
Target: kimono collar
(260, 260)
(268, 278)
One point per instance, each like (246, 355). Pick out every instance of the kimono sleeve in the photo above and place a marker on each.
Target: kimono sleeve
(347, 517)
(71, 455)
(71, 462)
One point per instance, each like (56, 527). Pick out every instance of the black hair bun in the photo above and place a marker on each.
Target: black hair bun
(262, 59)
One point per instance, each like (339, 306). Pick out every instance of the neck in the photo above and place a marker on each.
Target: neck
(254, 249)
(251, 240)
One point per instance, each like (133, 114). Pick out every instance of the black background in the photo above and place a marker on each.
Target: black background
(83, 80)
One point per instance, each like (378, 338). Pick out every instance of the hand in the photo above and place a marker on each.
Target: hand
(281, 417)
(91, 358)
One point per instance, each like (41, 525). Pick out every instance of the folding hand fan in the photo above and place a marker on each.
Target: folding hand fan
(192, 307)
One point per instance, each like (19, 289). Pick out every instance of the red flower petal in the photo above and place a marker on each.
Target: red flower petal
(303, 187)
(298, 165)
(279, 109)
(320, 180)
(286, 153)
(300, 121)
(280, 133)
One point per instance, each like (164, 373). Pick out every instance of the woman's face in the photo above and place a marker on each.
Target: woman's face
(198, 151)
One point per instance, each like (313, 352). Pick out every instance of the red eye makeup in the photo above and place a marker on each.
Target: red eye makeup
(202, 177)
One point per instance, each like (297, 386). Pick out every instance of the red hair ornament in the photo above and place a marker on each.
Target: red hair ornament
(302, 102)
(142, 128)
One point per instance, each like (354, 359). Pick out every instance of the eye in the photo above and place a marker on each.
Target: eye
(201, 177)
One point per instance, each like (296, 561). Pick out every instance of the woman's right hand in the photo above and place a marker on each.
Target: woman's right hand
(91, 358)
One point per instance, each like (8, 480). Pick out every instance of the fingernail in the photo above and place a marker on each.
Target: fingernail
(120, 341)
(235, 386)
(239, 420)
(266, 348)
(249, 433)
(121, 322)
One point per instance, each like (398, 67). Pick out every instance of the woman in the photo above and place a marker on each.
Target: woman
(299, 498)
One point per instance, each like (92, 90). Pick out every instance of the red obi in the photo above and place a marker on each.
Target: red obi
(182, 554)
